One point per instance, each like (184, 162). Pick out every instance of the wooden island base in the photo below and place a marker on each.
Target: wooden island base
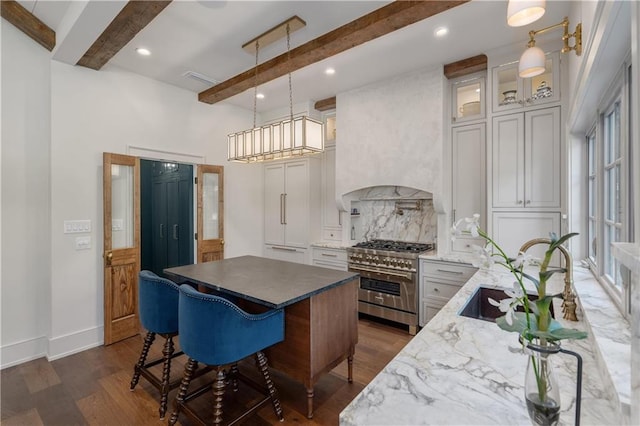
(320, 333)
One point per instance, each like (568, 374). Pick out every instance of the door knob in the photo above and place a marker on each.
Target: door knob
(108, 257)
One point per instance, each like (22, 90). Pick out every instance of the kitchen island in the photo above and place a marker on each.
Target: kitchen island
(320, 305)
(459, 370)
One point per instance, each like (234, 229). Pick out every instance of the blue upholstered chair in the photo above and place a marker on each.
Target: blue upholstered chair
(158, 310)
(216, 332)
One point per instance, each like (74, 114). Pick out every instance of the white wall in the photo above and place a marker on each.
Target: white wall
(26, 258)
(58, 120)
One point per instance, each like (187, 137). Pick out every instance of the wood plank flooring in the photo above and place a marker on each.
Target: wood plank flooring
(92, 387)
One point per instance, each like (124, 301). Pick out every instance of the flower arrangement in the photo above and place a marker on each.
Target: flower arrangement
(536, 327)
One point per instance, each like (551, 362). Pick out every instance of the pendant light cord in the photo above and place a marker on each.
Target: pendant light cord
(289, 63)
(255, 90)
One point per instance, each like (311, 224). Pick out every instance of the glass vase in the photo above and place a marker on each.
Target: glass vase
(540, 386)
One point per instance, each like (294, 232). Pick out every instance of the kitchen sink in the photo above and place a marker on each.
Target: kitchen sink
(478, 305)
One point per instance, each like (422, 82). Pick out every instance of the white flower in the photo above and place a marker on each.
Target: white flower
(485, 257)
(509, 305)
(467, 225)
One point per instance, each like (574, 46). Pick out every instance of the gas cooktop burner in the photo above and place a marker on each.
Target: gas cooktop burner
(399, 246)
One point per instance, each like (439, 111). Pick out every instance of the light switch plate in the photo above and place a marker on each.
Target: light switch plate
(77, 226)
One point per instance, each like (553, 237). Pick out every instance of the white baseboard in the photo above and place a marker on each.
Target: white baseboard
(72, 343)
(55, 348)
(20, 352)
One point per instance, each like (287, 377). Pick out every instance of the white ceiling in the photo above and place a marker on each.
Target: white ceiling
(206, 37)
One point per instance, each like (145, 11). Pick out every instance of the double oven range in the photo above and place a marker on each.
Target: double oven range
(388, 279)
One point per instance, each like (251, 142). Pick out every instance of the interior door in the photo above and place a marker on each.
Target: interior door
(210, 213)
(121, 215)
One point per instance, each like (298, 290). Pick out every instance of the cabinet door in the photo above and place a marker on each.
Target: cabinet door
(331, 214)
(296, 204)
(512, 229)
(274, 204)
(468, 180)
(542, 158)
(508, 161)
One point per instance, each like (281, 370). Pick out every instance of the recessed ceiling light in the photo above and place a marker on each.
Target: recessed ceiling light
(260, 95)
(441, 31)
(143, 51)
(330, 71)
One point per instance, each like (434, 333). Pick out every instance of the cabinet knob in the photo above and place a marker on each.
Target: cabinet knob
(519, 201)
(528, 202)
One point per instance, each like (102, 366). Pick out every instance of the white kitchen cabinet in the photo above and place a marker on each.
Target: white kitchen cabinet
(511, 92)
(440, 281)
(526, 166)
(330, 257)
(468, 157)
(331, 221)
(292, 207)
(468, 98)
(512, 229)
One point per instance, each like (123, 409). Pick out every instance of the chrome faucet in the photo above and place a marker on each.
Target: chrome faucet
(569, 302)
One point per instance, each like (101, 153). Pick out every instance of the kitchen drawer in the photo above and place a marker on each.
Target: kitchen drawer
(332, 234)
(465, 245)
(339, 266)
(439, 289)
(450, 271)
(330, 254)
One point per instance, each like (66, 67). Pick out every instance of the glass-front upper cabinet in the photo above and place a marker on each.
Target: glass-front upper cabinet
(468, 98)
(510, 91)
(330, 128)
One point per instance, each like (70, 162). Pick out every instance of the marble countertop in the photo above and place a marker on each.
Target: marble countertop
(459, 370)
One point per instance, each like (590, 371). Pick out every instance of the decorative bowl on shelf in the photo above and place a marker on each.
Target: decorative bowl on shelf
(509, 97)
(470, 108)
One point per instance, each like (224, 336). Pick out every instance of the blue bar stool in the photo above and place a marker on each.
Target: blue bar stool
(158, 308)
(216, 332)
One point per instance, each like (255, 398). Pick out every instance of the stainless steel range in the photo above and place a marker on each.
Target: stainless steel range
(388, 279)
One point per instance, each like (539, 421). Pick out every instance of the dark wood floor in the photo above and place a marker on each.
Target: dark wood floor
(92, 387)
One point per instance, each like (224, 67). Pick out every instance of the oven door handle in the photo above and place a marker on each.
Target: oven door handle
(395, 274)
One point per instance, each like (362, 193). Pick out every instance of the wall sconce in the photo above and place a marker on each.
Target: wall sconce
(523, 12)
(532, 61)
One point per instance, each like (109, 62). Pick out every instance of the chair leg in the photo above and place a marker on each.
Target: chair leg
(148, 340)
(218, 392)
(167, 352)
(184, 387)
(234, 377)
(273, 393)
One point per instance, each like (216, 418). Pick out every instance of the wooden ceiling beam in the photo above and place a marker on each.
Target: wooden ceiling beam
(465, 66)
(325, 104)
(130, 21)
(380, 22)
(26, 22)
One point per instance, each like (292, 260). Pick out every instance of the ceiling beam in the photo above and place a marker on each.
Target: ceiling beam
(26, 22)
(382, 21)
(124, 27)
(325, 104)
(465, 66)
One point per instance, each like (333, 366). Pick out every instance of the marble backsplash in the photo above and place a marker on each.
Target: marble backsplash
(394, 213)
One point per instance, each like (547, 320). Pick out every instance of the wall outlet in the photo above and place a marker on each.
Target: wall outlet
(83, 243)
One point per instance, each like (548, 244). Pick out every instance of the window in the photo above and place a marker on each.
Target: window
(608, 216)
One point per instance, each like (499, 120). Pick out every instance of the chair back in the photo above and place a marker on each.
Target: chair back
(158, 303)
(215, 331)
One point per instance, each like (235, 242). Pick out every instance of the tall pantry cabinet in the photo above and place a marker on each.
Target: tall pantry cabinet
(527, 172)
(292, 208)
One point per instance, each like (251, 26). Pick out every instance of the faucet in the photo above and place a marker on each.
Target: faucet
(568, 296)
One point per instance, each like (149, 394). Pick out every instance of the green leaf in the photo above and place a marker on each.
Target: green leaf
(519, 323)
(549, 272)
(532, 279)
(560, 241)
(559, 334)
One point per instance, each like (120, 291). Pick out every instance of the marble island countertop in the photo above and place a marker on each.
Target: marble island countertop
(460, 370)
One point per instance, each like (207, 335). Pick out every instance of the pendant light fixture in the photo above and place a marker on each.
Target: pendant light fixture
(524, 12)
(294, 136)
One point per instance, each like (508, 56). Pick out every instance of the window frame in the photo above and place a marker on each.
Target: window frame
(619, 95)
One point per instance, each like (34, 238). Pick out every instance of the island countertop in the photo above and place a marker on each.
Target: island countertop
(460, 370)
(272, 283)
